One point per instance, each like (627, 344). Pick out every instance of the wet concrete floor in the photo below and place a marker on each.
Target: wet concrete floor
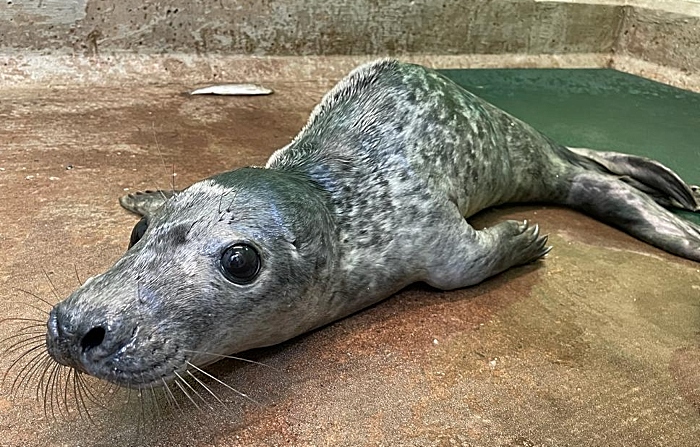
(597, 345)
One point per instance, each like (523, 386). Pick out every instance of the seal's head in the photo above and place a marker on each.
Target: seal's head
(231, 263)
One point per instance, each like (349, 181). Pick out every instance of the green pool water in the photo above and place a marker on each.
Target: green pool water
(599, 109)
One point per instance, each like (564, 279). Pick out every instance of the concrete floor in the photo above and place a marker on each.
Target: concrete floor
(597, 345)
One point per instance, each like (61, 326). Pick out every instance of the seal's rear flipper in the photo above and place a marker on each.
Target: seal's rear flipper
(696, 192)
(145, 203)
(647, 175)
(623, 204)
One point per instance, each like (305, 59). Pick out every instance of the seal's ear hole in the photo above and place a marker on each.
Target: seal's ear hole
(138, 231)
(240, 263)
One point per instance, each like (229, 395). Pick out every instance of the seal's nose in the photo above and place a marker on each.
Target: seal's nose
(57, 340)
(84, 343)
(93, 338)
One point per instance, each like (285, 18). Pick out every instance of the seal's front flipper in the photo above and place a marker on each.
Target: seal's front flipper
(647, 175)
(145, 203)
(471, 256)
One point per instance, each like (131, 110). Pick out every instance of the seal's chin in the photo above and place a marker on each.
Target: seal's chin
(149, 377)
(143, 376)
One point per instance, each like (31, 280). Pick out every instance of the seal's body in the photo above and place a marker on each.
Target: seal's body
(371, 196)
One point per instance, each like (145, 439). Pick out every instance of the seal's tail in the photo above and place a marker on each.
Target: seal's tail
(633, 193)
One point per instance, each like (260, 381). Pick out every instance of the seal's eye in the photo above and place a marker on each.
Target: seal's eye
(240, 263)
(137, 232)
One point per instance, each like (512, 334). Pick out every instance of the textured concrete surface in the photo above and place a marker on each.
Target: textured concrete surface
(661, 41)
(303, 27)
(49, 38)
(135, 70)
(597, 345)
(664, 38)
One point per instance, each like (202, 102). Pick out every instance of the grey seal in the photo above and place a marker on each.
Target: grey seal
(371, 195)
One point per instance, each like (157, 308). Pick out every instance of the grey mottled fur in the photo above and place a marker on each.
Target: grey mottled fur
(371, 196)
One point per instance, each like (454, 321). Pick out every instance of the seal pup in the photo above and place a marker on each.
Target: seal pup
(371, 196)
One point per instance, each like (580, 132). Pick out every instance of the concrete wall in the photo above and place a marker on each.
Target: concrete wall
(307, 27)
(664, 38)
(655, 38)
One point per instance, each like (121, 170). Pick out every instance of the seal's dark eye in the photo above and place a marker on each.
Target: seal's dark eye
(137, 232)
(240, 263)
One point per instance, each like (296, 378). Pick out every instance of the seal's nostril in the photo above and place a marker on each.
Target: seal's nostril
(93, 338)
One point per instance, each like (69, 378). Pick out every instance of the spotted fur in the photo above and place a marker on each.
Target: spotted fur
(371, 196)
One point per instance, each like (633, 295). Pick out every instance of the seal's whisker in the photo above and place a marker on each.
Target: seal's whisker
(203, 385)
(60, 394)
(38, 350)
(29, 367)
(77, 276)
(72, 375)
(81, 405)
(154, 397)
(85, 394)
(55, 395)
(148, 396)
(229, 206)
(62, 389)
(187, 384)
(26, 334)
(128, 395)
(169, 393)
(34, 295)
(89, 394)
(233, 357)
(240, 393)
(19, 344)
(29, 338)
(37, 366)
(184, 391)
(50, 369)
(38, 325)
(49, 390)
(84, 390)
(112, 390)
(37, 308)
(36, 328)
(54, 290)
(67, 389)
(33, 320)
(162, 160)
(23, 355)
(34, 346)
(42, 384)
(142, 412)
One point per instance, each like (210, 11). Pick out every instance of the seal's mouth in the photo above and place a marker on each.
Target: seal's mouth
(135, 375)
(140, 379)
